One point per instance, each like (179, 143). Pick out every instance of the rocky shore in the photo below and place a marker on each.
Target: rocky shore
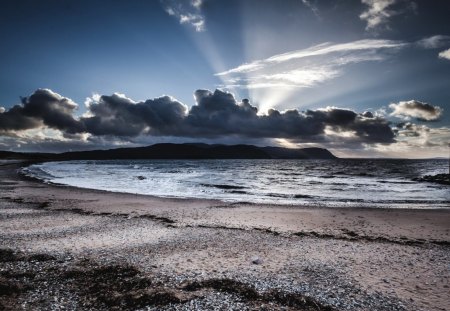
(72, 249)
(443, 179)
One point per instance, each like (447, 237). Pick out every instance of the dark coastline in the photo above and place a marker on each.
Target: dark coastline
(178, 151)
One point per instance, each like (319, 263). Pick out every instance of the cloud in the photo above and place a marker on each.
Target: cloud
(379, 12)
(219, 114)
(433, 42)
(43, 108)
(416, 109)
(305, 77)
(115, 120)
(312, 7)
(187, 12)
(118, 115)
(412, 141)
(421, 135)
(307, 67)
(317, 50)
(216, 115)
(445, 54)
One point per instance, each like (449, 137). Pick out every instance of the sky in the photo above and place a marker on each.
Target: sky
(363, 78)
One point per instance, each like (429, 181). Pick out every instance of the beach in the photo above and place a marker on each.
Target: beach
(79, 249)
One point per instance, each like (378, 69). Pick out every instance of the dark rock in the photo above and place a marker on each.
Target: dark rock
(41, 257)
(7, 255)
(443, 179)
(256, 260)
(9, 287)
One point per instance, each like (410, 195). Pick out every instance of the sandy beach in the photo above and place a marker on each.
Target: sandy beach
(66, 248)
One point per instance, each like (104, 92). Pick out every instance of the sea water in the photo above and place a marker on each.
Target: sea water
(332, 183)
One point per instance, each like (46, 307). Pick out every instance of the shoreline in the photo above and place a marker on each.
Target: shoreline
(182, 254)
(375, 205)
(302, 220)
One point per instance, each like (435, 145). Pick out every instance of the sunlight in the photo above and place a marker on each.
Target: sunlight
(270, 97)
(286, 143)
(210, 52)
(272, 78)
(255, 45)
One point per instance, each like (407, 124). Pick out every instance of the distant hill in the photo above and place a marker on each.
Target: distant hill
(5, 155)
(179, 151)
(302, 153)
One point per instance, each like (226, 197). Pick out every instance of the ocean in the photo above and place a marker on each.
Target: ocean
(378, 183)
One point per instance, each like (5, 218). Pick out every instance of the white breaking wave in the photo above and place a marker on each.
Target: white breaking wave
(340, 183)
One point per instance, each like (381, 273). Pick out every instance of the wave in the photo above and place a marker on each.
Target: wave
(223, 186)
(395, 182)
(239, 192)
(257, 182)
(290, 196)
(38, 172)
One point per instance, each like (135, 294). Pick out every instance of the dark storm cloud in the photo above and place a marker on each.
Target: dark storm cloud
(409, 129)
(216, 114)
(43, 107)
(120, 116)
(219, 113)
(364, 127)
(15, 120)
(416, 109)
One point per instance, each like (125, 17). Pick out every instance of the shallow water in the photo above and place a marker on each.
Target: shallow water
(340, 183)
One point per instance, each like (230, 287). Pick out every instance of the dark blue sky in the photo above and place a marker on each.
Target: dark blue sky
(80, 47)
(310, 54)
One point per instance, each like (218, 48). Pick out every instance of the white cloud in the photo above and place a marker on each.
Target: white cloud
(197, 3)
(305, 77)
(433, 42)
(319, 50)
(307, 67)
(377, 13)
(327, 48)
(187, 12)
(380, 12)
(416, 109)
(445, 54)
(2, 109)
(423, 136)
(380, 112)
(312, 7)
(194, 20)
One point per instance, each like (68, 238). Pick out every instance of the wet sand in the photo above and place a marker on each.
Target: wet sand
(78, 249)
